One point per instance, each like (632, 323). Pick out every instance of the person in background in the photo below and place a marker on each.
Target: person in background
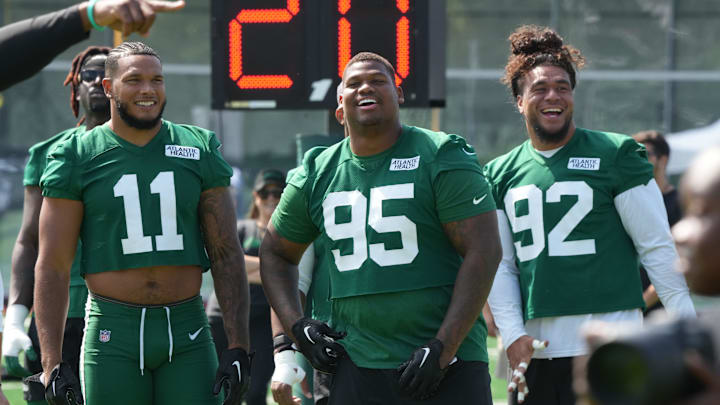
(87, 96)
(268, 188)
(34, 42)
(658, 153)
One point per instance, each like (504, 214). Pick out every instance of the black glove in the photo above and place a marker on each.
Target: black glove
(420, 376)
(63, 387)
(317, 342)
(234, 375)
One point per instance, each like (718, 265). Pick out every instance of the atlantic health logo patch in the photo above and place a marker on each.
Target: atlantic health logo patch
(183, 152)
(580, 163)
(405, 164)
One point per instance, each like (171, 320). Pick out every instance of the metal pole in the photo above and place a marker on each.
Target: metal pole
(670, 65)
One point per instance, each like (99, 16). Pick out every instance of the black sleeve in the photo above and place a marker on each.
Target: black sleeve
(29, 45)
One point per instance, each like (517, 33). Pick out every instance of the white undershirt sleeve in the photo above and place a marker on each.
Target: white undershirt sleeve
(642, 212)
(505, 299)
(306, 268)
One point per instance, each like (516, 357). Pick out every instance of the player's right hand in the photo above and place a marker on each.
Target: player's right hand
(62, 388)
(519, 355)
(287, 373)
(131, 16)
(16, 340)
(317, 341)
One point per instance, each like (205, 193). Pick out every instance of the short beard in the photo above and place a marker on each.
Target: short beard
(551, 137)
(134, 122)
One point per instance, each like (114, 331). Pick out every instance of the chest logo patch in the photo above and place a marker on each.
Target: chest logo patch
(579, 163)
(183, 152)
(405, 164)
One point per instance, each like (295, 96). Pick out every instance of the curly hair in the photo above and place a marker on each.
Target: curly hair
(531, 46)
(73, 76)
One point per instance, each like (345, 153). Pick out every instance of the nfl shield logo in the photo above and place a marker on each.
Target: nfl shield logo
(104, 336)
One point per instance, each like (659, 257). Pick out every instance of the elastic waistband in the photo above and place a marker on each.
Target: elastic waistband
(140, 306)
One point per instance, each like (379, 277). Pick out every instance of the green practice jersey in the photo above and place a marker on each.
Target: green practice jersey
(31, 177)
(571, 249)
(378, 221)
(140, 203)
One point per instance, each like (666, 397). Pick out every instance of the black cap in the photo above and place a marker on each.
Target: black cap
(269, 176)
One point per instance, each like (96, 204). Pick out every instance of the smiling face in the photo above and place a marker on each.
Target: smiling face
(546, 102)
(137, 91)
(369, 96)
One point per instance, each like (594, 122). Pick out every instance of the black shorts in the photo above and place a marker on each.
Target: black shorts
(549, 382)
(467, 383)
(72, 340)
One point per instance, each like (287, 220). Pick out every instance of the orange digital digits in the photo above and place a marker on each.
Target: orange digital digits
(402, 39)
(257, 16)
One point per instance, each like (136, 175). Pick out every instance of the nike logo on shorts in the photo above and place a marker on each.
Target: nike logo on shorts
(192, 336)
(477, 201)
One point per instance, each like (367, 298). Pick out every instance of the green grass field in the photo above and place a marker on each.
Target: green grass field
(13, 388)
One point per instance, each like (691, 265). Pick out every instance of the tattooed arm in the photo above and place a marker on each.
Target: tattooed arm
(217, 218)
(278, 269)
(476, 240)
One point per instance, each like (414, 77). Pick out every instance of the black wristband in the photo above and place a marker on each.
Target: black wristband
(282, 342)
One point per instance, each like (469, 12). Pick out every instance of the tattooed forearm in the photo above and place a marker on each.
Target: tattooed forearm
(280, 277)
(477, 240)
(218, 221)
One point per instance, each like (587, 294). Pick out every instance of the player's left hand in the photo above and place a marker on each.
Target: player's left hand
(421, 375)
(287, 373)
(519, 355)
(233, 374)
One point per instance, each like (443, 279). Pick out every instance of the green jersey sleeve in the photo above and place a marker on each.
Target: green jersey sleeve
(291, 218)
(34, 167)
(632, 166)
(216, 171)
(62, 176)
(460, 189)
(462, 194)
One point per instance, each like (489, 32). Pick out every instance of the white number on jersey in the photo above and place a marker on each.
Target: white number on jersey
(137, 242)
(360, 218)
(533, 220)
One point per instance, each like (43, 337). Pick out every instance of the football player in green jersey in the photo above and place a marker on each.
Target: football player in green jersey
(150, 200)
(86, 93)
(408, 230)
(576, 210)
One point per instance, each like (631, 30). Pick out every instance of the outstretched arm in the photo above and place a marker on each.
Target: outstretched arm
(217, 217)
(476, 240)
(34, 42)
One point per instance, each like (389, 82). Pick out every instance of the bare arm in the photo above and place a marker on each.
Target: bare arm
(60, 221)
(476, 239)
(217, 218)
(25, 251)
(252, 268)
(278, 262)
